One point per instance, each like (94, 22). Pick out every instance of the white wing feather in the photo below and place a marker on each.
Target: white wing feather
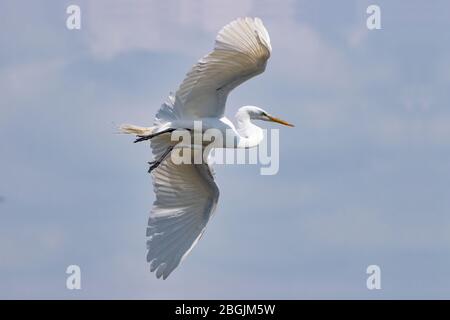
(186, 197)
(241, 51)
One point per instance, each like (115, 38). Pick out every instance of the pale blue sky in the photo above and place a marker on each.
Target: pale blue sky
(364, 176)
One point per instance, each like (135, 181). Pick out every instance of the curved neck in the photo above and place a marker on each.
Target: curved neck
(250, 135)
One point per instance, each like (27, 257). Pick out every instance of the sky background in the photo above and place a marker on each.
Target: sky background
(364, 176)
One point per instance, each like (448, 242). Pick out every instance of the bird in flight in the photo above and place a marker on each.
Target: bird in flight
(186, 194)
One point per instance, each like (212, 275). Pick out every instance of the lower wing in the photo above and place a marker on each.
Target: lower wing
(186, 197)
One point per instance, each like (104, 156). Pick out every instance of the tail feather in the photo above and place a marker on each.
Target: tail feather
(132, 129)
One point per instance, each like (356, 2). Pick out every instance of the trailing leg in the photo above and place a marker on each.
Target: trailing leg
(150, 136)
(157, 162)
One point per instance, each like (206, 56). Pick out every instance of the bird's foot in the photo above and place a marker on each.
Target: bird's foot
(151, 136)
(153, 165)
(142, 138)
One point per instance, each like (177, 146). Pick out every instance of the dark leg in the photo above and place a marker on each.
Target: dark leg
(150, 136)
(157, 162)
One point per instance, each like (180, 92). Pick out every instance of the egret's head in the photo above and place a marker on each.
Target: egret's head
(256, 113)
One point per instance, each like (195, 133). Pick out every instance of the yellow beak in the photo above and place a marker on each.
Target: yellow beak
(273, 119)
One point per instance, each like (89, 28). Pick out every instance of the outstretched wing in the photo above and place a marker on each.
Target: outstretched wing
(241, 51)
(186, 197)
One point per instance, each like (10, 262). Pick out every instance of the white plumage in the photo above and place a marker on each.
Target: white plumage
(186, 194)
(241, 51)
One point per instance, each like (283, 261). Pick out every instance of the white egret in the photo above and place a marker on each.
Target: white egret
(186, 194)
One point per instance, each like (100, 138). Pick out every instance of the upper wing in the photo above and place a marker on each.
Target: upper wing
(186, 197)
(241, 51)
